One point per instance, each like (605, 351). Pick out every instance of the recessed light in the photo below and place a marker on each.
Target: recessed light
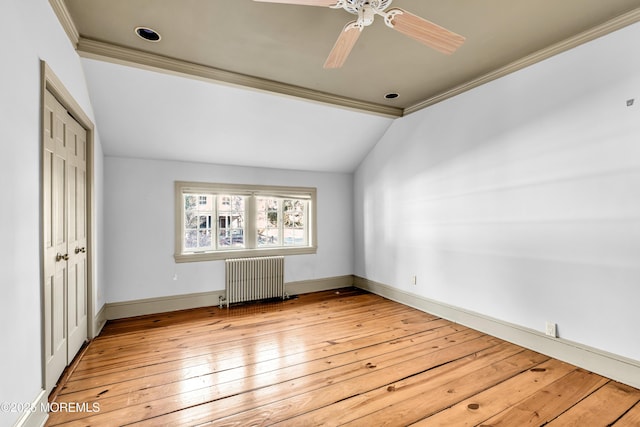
(148, 34)
(391, 95)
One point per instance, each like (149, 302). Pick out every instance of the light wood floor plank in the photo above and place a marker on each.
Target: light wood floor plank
(330, 358)
(631, 418)
(391, 393)
(241, 380)
(482, 406)
(601, 408)
(551, 401)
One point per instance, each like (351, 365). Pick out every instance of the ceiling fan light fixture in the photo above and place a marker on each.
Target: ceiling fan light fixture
(366, 15)
(148, 34)
(354, 6)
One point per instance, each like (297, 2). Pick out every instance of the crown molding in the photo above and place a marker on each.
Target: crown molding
(60, 9)
(610, 26)
(94, 49)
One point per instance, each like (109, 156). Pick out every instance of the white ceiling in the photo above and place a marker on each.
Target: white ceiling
(146, 114)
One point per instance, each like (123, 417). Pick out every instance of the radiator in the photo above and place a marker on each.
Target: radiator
(252, 279)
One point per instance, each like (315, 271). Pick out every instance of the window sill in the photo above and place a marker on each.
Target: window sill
(243, 253)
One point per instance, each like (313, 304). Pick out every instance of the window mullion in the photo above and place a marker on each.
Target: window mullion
(183, 220)
(306, 223)
(214, 222)
(280, 222)
(251, 229)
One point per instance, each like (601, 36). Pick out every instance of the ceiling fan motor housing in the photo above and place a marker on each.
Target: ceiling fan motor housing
(357, 6)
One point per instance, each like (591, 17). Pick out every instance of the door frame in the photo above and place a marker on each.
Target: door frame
(50, 82)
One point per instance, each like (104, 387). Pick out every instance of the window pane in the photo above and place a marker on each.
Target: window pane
(269, 237)
(223, 239)
(198, 221)
(268, 223)
(230, 203)
(294, 213)
(189, 202)
(294, 237)
(231, 238)
(205, 221)
(205, 239)
(190, 220)
(237, 237)
(231, 220)
(295, 231)
(191, 239)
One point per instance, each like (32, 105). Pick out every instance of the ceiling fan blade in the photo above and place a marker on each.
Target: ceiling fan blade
(346, 40)
(302, 2)
(424, 31)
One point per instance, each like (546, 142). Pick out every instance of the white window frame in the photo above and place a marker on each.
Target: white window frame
(250, 192)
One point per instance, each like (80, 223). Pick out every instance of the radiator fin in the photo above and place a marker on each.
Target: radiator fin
(252, 279)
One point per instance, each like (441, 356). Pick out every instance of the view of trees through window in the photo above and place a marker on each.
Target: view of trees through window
(281, 222)
(217, 222)
(199, 226)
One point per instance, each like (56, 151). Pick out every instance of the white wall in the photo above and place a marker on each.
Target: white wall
(29, 31)
(139, 219)
(520, 199)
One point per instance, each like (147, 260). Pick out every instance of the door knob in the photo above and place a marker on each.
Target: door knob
(83, 250)
(60, 257)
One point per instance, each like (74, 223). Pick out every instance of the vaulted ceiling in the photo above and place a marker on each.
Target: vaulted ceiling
(229, 48)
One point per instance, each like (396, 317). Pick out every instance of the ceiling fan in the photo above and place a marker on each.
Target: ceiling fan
(411, 25)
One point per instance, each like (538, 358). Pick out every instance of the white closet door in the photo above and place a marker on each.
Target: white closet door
(64, 229)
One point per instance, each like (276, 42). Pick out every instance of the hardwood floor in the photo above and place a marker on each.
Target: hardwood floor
(329, 358)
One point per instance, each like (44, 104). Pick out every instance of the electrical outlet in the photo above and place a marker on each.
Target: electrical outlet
(414, 280)
(552, 329)
(175, 277)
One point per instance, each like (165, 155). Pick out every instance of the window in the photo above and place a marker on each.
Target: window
(220, 221)
(281, 221)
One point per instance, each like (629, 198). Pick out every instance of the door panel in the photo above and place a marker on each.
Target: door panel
(76, 298)
(64, 230)
(55, 240)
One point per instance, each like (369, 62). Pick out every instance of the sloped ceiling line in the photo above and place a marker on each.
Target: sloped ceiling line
(94, 49)
(563, 46)
(61, 11)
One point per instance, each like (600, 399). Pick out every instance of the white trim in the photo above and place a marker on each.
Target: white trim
(102, 51)
(318, 285)
(610, 365)
(36, 417)
(141, 307)
(601, 30)
(120, 310)
(99, 321)
(60, 9)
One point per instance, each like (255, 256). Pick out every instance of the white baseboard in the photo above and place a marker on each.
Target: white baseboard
(36, 417)
(609, 365)
(318, 285)
(119, 310)
(141, 307)
(99, 321)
